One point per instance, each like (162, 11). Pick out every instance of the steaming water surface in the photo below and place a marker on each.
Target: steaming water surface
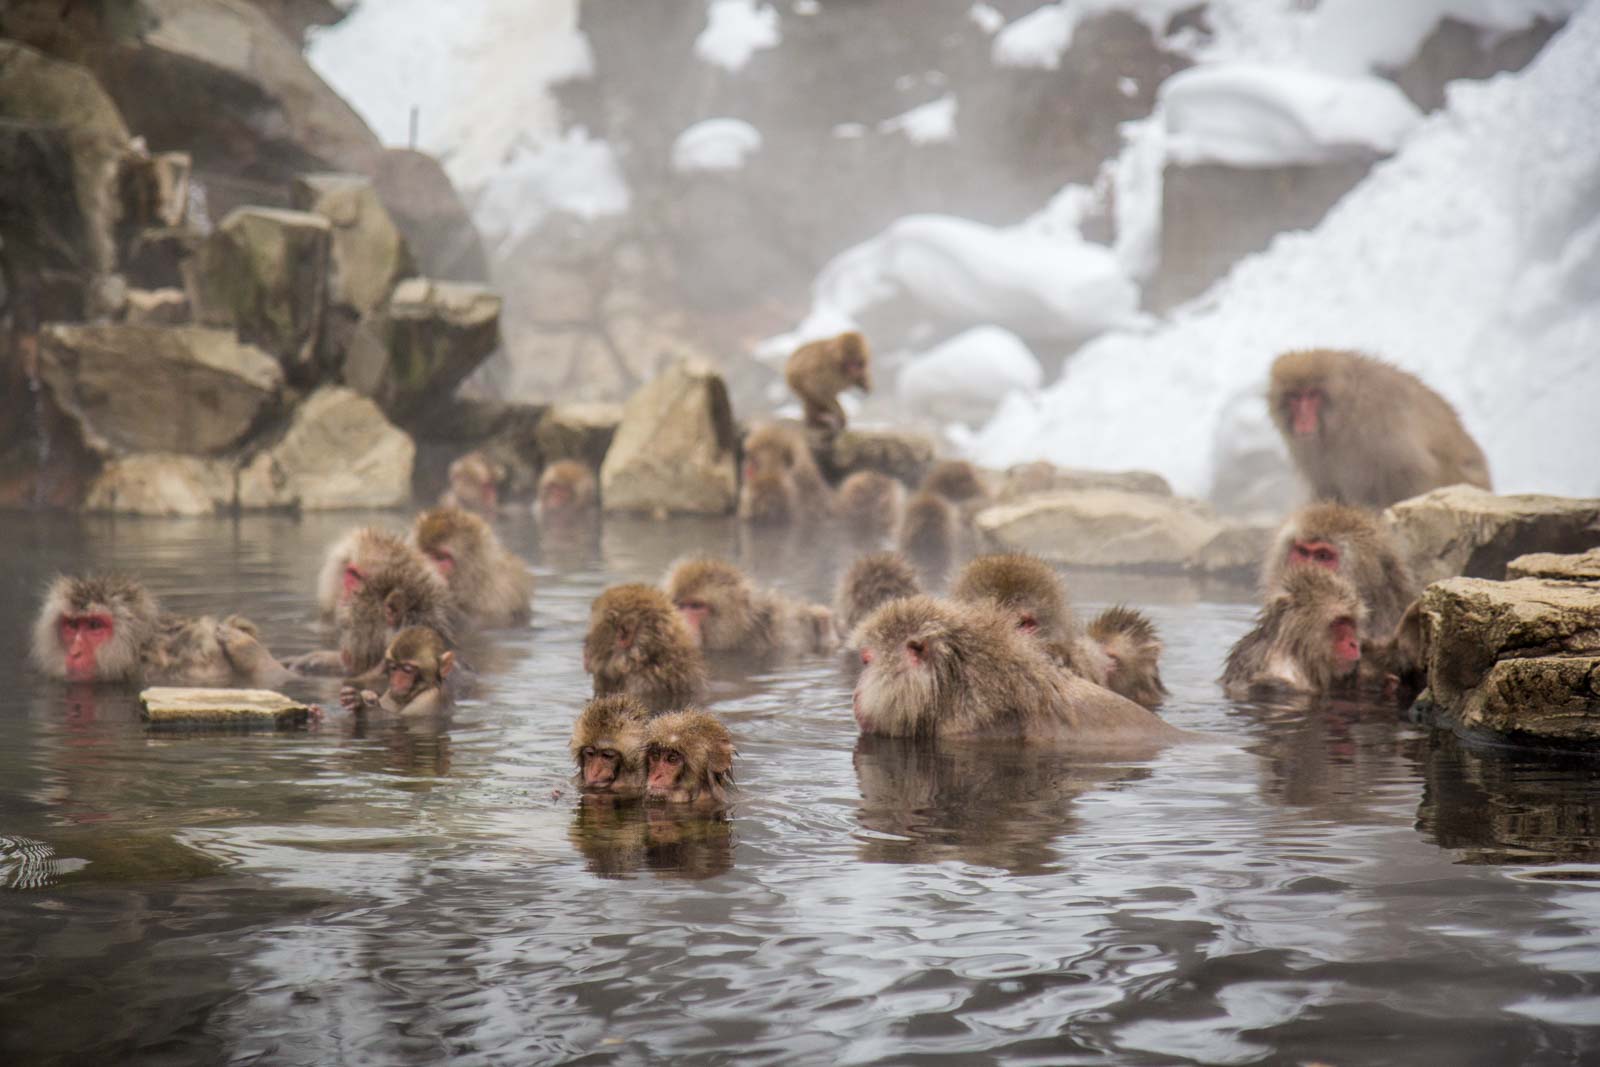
(1339, 886)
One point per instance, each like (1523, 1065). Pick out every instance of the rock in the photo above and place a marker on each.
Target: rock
(904, 456)
(164, 258)
(424, 204)
(189, 705)
(152, 193)
(294, 17)
(44, 242)
(578, 431)
(264, 272)
(1236, 552)
(178, 389)
(1103, 528)
(339, 452)
(368, 256)
(674, 449)
(1464, 530)
(156, 307)
(507, 434)
(1582, 567)
(1026, 479)
(1517, 660)
(162, 484)
(411, 354)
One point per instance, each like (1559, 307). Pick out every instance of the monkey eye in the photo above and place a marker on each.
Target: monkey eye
(609, 753)
(389, 664)
(586, 751)
(673, 758)
(1324, 555)
(1028, 623)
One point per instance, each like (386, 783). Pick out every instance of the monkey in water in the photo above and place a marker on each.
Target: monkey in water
(420, 669)
(727, 613)
(688, 759)
(1352, 543)
(871, 582)
(638, 645)
(349, 560)
(930, 528)
(781, 481)
(819, 371)
(110, 629)
(869, 504)
(941, 670)
(566, 494)
(400, 590)
(608, 747)
(474, 484)
(1307, 639)
(1366, 433)
(491, 587)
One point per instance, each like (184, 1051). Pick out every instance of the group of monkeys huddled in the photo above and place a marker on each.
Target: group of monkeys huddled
(1000, 655)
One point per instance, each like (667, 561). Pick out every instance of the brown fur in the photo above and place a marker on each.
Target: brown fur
(638, 645)
(1133, 649)
(778, 453)
(871, 582)
(1290, 648)
(819, 371)
(567, 491)
(929, 531)
(429, 689)
(734, 616)
(474, 484)
(1030, 591)
(938, 669)
(704, 750)
(869, 503)
(608, 738)
(490, 585)
(769, 499)
(1368, 559)
(956, 480)
(365, 547)
(401, 593)
(1382, 435)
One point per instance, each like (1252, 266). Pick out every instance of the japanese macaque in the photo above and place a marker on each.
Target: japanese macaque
(929, 530)
(768, 499)
(403, 593)
(1307, 638)
(491, 586)
(1133, 647)
(1398, 662)
(474, 484)
(350, 558)
(608, 746)
(957, 481)
(781, 481)
(107, 629)
(639, 646)
(725, 612)
(942, 670)
(1367, 433)
(567, 493)
(1349, 542)
(819, 371)
(419, 668)
(869, 504)
(871, 582)
(688, 759)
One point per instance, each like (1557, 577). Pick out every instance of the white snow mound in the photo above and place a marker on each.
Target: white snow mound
(735, 31)
(715, 145)
(965, 378)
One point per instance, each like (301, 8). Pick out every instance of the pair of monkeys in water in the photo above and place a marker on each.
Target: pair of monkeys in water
(567, 493)
(621, 750)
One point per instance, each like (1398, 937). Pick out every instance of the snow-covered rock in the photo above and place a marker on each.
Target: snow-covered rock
(930, 123)
(715, 145)
(966, 377)
(735, 31)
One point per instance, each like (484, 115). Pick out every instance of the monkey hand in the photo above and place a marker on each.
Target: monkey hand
(353, 699)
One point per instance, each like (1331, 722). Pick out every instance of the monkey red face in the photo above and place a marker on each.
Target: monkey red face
(1316, 553)
(694, 613)
(555, 496)
(402, 676)
(599, 766)
(443, 560)
(855, 371)
(666, 768)
(1028, 623)
(1346, 644)
(625, 636)
(353, 579)
(81, 638)
(1305, 411)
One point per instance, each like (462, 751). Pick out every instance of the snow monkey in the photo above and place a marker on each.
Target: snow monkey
(608, 746)
(938, 669)
(781, 481)
(638, 645)
(956, 480)
(688, 759)
(400, 590)
(109, 629)
(566, 492)
(348, 560)
(1367, 433)
(1352, 543)
(1120, 649)
(419, 668)
(871, 582)
(490, 585)
(929, 530)
(820, 370)
(1306, 638)
(869, 504)
(474, 484)
(727, 613)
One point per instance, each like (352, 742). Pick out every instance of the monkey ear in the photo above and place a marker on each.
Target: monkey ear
(721, 759)
(447, 663)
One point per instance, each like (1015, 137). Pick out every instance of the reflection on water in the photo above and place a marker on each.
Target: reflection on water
(1338, 887)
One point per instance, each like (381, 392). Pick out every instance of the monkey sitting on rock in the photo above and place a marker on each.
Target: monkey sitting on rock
(819, 371)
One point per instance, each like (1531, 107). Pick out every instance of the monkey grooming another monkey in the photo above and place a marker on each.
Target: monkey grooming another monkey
(491, 586)
(1307, 639)
(688, 759)
(726, 613)
(1352, 543)
(110, 629)
(1366, 433)
(639, 646)
(871, 582)
(608, 746)
(869, 504)
(567, 493)
(403, 590)
(819, 371)
(419, 668)
(940, 670)
(347, 561)
(474, 484)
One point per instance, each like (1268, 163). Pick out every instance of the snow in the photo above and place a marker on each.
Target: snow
(987, 19)
(966, 377)
(1036, 40)
(1247, 115)
(735, 31)
(574, 174)
(1471, 258)
(715, 145)
(931, 123)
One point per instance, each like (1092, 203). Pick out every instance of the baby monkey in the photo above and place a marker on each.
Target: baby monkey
(819, 371)
(608, 747)
(419, 668)
(688, 759)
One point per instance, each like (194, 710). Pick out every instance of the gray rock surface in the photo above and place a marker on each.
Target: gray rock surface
(162, 484)
(1463, 530)
(1579, 567)
(673, 452)
(339, 452)
(1103, 528)
(367, 256)
(411, 354)
(578, 431)
(1027, 478)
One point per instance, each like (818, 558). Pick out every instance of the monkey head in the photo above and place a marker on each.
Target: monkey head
(608, 746)
(351, 559)
(416, 661)
(854, 359)
(768, 498)
(565, 487)
(451, 538)
(1302, 389)
(630, 627)
(474, 483)
(716, 601)
(955, 480)
(688, 758)
(92, 629)
(399, 593)
(1324, 623)
(1024, 587)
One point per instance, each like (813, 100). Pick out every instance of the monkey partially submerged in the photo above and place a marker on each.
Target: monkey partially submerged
(608, 745)
(421, 672)
(639, 646)
(871, 582)
(819, 371)
(688, 759)
(1351, 543)
(869, 505)
(780, 481)
(110, 629)
(567, 493)
(398, 591)
(491, 587)
(350, 559)
(1306, 639)
(474, 484)
(1364, 432)
(726, 613)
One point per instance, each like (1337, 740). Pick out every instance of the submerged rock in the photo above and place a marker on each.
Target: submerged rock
(673, 452)
(162, 484)
(338, 452)
(1236, 552)
(1103, 528)
(1464, 530)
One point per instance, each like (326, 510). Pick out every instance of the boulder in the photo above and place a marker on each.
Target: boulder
(1103, 528)
(431, 214)
(339, 452)
(165, 257)
(578, 431)
(264, 272)
(1582, 567)
(1518, 661)
(152, 193)
(162, 484)
(905, 456)
(1027, 478)
(507, 434)
(156, 307)
(1464, 530)
(674, 449)
(178, 389)
(412, 353)
(367, 256)
(1236, 552)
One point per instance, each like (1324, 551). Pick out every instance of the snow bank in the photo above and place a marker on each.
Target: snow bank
(715, 145)
(574, 174)
(735, 31)
(931, 123)
(967, 377)
(1471, 258)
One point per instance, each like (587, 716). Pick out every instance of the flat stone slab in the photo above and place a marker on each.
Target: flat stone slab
(1103, 528)
(1464, 530)
(1582, 567)
(234, 708)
